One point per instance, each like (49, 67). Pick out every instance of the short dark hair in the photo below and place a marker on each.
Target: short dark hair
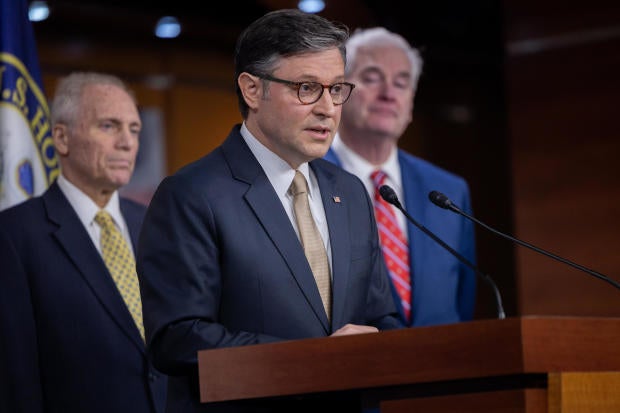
(283, 33)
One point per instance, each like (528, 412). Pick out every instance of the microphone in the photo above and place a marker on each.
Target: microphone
(444, 202)
(388, 194)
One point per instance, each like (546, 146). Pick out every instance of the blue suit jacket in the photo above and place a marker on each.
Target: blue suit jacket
(68, 343)
(443, 289)
(220, 263)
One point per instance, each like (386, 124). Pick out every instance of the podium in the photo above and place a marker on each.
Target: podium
(525, 364)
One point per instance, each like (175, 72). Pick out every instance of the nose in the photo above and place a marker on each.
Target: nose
(388, 90)
(325, 105)
(126, 138)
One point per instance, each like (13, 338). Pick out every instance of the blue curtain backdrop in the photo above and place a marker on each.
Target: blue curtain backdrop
(28, 163)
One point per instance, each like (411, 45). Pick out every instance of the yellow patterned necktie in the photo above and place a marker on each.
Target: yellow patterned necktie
(122, 266)
(311, 239)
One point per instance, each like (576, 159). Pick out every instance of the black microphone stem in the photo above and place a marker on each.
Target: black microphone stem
(498, 298)
(443, 201)
(541, 251)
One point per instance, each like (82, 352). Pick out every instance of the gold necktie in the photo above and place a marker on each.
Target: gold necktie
(311, 239)
(122, 266)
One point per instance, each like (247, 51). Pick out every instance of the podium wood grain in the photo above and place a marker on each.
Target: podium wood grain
(478, 356)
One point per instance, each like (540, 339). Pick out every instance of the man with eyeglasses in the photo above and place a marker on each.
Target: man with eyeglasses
(262, 240)
(430, 286)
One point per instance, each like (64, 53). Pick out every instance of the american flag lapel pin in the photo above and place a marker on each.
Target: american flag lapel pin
(336, 199)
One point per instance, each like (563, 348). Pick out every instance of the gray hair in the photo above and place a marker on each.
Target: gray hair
(379, 36)
(68, 97)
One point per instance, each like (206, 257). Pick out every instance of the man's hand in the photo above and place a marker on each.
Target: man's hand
(354, 329)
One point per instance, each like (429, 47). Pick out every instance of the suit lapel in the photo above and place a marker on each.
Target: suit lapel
(336, 214)
(133, 224)
(78, 246)
(415, 199)
(264, 201)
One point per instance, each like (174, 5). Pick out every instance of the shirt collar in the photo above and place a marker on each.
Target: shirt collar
(85, 207)
(278, 171)
(359, 166)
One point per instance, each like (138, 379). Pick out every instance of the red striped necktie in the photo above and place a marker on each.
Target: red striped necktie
(393, 244)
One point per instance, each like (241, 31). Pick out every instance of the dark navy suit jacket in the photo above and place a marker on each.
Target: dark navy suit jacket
(443, 289)
(68, 343)
(220, 263)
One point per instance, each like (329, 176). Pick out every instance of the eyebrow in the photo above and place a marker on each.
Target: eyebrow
(376, 69)
(119, 122)
(314, 78)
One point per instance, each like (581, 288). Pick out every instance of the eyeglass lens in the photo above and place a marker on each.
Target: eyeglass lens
(310, 92)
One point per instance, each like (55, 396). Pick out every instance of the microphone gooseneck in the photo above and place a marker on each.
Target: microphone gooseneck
(388, 194)
(443, 201)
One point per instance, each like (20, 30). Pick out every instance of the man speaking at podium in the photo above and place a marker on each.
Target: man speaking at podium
(261, 240)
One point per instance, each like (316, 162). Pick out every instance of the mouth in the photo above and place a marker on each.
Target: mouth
(320, 132)
(119, 164)
(384, 111)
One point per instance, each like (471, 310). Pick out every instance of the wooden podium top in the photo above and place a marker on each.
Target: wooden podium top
(476, 349)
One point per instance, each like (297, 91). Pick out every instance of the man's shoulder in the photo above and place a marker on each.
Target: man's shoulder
(20, 220)
(414, 164)
(196, 174)
(331, 156)
(23, 209)
(333, 169)
(131, 206)
(210, 163)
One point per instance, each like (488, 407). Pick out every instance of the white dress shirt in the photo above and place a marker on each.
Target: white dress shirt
(280, 174)
(86, 210)
(360, 167)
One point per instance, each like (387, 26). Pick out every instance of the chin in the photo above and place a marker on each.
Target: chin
(318, 152)
(119, 182)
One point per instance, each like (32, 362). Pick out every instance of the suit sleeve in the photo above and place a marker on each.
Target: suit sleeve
(20, 390)
(380, 310)
(181, 280)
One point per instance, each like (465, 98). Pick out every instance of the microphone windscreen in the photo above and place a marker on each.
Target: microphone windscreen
(439, 199)
(388, 194)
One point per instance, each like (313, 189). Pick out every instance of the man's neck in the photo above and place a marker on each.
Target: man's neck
(375, 149)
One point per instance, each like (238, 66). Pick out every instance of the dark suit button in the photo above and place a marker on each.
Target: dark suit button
(153, 376)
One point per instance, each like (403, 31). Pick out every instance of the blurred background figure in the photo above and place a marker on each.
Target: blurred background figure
(429, 285)
(71, 318)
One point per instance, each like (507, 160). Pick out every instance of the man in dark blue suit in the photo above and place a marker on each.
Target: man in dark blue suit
(68, 341)
(385, 70)
(220, 259)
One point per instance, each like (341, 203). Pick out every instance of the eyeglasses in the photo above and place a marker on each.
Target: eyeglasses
(310, 92)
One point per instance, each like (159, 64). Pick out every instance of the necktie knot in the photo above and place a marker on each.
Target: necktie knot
(378, 178)
(104, 220)
(299, 185)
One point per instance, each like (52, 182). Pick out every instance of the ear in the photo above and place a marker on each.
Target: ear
(61, 139)
(251, 89)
